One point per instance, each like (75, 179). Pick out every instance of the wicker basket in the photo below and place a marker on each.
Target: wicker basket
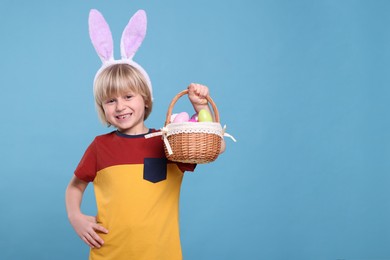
(192, 142)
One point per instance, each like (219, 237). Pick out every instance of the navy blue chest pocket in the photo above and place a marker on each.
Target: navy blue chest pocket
(155, 169)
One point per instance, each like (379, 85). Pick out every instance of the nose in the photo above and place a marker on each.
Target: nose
(119, 105)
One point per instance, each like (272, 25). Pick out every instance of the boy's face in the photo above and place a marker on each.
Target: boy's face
(126, 112)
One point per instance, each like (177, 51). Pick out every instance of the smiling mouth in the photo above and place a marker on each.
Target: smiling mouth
(123, 116)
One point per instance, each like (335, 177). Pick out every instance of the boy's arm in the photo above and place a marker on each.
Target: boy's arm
(197, 94)
(85, 226)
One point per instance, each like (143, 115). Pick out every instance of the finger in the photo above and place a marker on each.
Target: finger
(191, 87)
(87, 242)
(93, 241)
(205, 91)
(97, 239)
(195, 87)
(100, 228)
(201, 90)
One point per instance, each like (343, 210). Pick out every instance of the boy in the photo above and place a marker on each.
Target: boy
(136, 188)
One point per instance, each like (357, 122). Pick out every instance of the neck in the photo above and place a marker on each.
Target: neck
(144, 130)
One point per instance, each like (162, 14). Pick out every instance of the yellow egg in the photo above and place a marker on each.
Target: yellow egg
(204, 116)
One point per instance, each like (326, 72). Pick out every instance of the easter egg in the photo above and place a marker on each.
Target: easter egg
(181, 117)
(204, 116)
(172, 118)
(194, 118)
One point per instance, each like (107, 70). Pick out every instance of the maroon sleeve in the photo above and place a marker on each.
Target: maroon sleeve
(186, 167)
(86, 169)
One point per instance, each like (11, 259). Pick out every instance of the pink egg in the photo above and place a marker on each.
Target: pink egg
(172, 118)
(194, 118)
(181, 117)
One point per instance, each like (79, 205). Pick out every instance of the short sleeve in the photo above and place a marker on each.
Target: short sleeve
(86, 169)
(186, 167)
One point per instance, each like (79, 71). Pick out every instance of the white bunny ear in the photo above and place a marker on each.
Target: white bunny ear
(133, 35)
(101, 37)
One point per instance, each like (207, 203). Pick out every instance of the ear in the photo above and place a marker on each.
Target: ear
(133, 35)
(100, 34)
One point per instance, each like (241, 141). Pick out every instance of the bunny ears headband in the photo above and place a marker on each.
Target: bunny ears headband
(132, 38)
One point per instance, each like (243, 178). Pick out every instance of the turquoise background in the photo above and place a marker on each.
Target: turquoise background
(302, 85)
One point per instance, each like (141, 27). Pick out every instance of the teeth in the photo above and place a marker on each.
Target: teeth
(122, 116)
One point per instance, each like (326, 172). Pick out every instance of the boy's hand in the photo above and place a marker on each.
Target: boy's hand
(87, 228)
(197, 94)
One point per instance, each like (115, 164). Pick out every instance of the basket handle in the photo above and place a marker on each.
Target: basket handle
(185, 92)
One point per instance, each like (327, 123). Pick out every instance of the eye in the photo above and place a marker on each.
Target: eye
(128, 96)
(110, 101)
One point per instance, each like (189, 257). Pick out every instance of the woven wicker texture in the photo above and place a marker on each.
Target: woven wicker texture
(193, 142)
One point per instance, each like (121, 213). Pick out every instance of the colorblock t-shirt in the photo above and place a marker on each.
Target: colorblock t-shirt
(137, 194)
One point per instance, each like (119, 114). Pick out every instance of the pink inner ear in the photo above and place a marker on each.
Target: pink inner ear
(133, 35)
(100, 34)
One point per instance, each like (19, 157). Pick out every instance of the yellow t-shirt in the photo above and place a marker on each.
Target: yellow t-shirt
(137, 194)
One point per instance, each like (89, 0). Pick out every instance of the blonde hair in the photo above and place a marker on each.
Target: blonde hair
(118, 79)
